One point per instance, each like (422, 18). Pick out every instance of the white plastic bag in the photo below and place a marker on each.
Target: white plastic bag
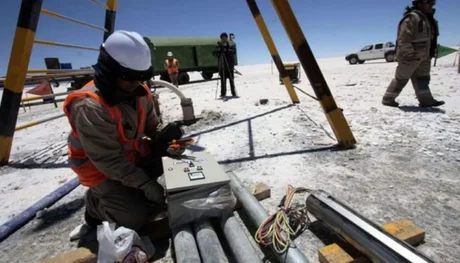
(121, 245)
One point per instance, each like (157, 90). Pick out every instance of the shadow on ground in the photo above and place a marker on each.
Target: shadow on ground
(421, 109)
(252, 157)
(58, 213)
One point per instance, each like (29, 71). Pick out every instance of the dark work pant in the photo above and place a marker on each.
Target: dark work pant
(226, 73)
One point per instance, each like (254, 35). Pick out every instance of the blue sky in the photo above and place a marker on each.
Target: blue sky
(332, 27)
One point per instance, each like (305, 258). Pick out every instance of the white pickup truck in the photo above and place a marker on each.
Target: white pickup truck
(375, 51)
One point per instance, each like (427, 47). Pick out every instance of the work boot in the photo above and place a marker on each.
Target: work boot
(434, 103)
(91, 221)
(81, 230)
(390, 102)
(157, 230)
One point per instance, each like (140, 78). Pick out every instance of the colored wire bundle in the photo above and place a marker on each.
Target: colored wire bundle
(279, 229)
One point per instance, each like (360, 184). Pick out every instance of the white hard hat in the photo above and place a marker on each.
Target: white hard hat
(170, 54)
(129, 49)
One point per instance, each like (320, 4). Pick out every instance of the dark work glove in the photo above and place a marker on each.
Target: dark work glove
(172, 131)
(160, 143)
(154, 192)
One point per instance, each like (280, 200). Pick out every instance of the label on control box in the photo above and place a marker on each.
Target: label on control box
(196, 176)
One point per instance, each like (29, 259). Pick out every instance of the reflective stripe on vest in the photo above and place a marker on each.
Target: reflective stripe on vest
(172, 66)
(87, 173)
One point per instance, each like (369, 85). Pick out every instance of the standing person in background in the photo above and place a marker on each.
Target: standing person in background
(415, 46)
(225, 51)
(172, 65)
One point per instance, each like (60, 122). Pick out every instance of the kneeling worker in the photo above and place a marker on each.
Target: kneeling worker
(107, 147)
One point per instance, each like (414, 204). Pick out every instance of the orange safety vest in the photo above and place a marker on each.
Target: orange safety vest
(87, 173)
(172, 66)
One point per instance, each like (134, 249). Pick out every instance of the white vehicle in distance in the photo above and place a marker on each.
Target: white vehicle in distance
(371, 52)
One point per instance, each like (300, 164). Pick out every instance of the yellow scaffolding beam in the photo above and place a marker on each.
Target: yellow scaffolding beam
(99, 4)
(34, 123)
(110, 14)
(272, 48)
(23, 41)
(57, 15)
(58, 71)
(334, 114)
(21, 50)
(51, 43)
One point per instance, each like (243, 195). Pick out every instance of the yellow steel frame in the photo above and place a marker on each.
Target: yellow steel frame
(334, 114)
(272, 49)
(23, 41)
(25, 38)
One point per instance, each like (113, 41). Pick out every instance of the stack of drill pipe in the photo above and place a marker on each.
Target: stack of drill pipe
(241, 247)
(185, 245)
(257, 214)
(208, 243)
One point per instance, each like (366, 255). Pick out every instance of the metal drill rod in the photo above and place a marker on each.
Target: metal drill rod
(208, 243)
(369, 238)
(258, 214)
(185, 245)
(239, 243)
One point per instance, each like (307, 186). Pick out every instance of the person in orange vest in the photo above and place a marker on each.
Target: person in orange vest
(110, 120)
(172, 65)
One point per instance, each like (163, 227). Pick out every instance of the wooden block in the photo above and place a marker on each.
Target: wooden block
(403, 229)
(334, 253)
(406, 230)
(260, 191)
(80, 255)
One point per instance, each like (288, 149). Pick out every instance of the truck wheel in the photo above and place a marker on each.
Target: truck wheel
(353, 60)
(165, 77)
(390, 57)
(184, 78)
(207, 75)
(361, 61)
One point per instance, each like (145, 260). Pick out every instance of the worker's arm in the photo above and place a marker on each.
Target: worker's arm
(217, 50)
(231, 48)
(406, 37)
(152, 122)
(97, 133)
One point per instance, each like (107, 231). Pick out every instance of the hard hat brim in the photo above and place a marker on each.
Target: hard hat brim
(107, 63)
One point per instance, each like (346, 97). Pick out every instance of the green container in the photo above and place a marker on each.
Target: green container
(193, 54)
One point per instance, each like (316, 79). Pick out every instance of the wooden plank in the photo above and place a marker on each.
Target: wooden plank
(403, 229)
(80, 255)
(406, 230)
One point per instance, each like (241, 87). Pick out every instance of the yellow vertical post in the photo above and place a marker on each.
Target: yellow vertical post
(334, 114)
(272, 48)
(16, 75)
(110, 17)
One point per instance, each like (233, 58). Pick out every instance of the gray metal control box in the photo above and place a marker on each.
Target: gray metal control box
(193, 184)
(189, 172)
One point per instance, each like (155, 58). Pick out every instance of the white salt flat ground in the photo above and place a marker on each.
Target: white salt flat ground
(406, 164)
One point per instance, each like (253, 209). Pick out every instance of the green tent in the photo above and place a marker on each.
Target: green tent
(444, 51)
